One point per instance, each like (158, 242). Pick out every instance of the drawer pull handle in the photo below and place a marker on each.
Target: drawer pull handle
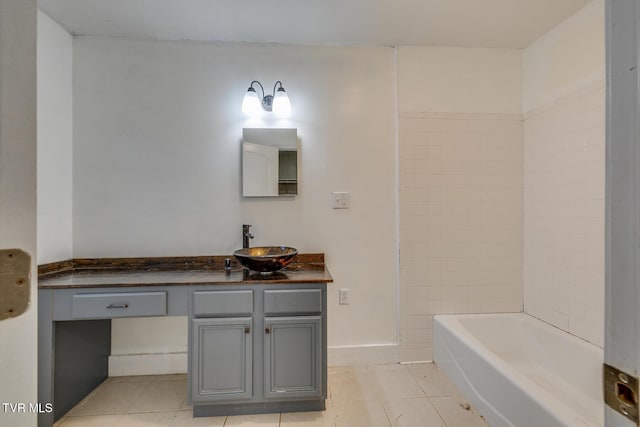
(112, 306)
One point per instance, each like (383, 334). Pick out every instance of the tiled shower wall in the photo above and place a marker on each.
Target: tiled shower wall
(564, 151)
(461, 219)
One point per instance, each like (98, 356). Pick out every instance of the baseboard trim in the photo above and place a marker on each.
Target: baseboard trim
(363, 354)
(176, 363)
(147, 364)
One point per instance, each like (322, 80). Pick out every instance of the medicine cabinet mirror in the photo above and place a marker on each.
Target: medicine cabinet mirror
(269, 162)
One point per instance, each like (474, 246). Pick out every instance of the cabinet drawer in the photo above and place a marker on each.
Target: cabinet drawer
(293, 301)
(222, 303)
(124, 304)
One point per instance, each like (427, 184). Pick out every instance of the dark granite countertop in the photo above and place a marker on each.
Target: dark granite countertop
(131, 272)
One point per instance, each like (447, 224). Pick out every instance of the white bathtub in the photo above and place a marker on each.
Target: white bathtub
(521, 372)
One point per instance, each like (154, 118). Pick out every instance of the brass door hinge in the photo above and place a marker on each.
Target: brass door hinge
(15, 282)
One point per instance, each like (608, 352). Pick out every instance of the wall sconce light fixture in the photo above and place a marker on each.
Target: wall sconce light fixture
(278, 102)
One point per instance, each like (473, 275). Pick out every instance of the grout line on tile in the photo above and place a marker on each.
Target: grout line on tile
(126, 411)
(70, 412)
(438, 412)
(169, 377)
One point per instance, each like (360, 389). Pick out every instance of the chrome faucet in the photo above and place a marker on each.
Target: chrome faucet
(246, 235)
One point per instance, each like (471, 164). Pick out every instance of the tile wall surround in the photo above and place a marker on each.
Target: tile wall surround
(461, 220)
(564, 188)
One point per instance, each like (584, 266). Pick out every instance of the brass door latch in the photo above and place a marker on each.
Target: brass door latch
(621, 392)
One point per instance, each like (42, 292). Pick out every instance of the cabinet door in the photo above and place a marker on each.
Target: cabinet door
(293, 357)
(221, 359)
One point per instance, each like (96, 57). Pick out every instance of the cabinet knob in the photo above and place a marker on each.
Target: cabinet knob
(267, 330)
(247, 329)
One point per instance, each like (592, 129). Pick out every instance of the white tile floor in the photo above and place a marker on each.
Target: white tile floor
(359, 396)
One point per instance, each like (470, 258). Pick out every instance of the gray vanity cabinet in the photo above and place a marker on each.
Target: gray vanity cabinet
(223, 359)
(258, 348)
(234, 365)
(293, 357)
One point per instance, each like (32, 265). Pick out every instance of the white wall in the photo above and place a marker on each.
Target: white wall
(18, 335)
(55, 141)
(459, 80)
(157, 169)
(564, 104)
(157, 161)
(567, 59)
(460, 187)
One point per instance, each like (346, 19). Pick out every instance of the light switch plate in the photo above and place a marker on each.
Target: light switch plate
(340, 200)
(344, 296)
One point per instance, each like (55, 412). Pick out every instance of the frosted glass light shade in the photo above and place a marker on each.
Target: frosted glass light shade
(281, 103)
(251, 103)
